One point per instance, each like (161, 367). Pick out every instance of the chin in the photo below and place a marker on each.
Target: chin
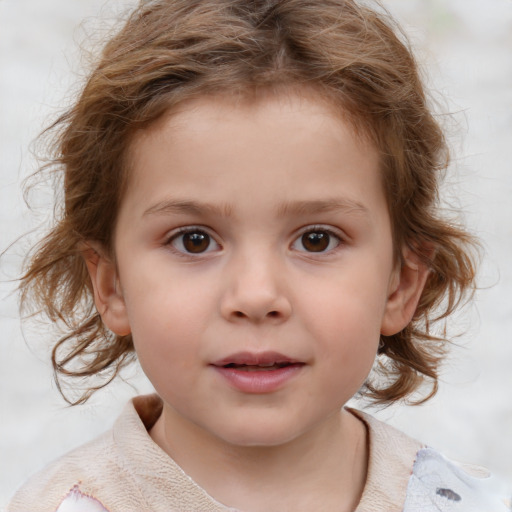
(259, 435)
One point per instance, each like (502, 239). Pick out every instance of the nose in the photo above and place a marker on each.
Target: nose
(255, 291)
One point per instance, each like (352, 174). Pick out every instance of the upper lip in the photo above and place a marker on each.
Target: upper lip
(255, 359)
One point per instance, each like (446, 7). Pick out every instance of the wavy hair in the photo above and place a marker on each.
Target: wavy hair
(170, 51)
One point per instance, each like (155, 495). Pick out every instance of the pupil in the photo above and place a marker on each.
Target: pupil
(315, 241)
(196, 242)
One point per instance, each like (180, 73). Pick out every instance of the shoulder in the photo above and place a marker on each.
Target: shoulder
(123, 470)
(439, 484)
(90, 477)
(391, 455)
(71, 478)
(405, 475)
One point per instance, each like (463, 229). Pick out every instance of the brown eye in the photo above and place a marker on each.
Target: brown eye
(316, 240)
(194, 242)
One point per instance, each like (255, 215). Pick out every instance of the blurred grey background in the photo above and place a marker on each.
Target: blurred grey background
(465, 46)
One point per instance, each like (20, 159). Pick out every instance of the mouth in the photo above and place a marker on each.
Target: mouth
(264, 361)
(259, 368)
(258, 373)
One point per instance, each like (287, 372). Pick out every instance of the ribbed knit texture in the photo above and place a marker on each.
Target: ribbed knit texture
(126, 471)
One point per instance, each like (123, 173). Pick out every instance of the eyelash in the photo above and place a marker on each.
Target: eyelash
(178, 234)
(332, 235)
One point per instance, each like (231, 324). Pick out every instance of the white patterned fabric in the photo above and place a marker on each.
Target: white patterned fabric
(440, 485)
(124, 471)
(76, 501)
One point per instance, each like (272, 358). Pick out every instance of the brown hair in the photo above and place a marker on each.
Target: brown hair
(172, 50)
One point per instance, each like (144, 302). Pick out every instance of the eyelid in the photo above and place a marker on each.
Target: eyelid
(183, 230)
(332, 231)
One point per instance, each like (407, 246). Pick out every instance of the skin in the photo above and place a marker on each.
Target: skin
(251, 178)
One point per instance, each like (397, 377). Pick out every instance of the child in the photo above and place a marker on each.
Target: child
(251, 205)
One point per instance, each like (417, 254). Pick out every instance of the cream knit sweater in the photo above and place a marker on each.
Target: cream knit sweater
(124, 471)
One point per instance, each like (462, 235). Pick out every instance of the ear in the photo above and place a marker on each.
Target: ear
(108, 295)
(406, 286)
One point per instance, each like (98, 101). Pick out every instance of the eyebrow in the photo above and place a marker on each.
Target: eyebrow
(306, 207)
(322, 206)
(188, 207)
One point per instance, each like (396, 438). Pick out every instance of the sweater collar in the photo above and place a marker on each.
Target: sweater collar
(391, 458)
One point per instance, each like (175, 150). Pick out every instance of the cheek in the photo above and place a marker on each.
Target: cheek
(158, 297)
(349, 304)
(343, 315)
(349, 348)
(166, 320)
(350, 345)
(166, 347)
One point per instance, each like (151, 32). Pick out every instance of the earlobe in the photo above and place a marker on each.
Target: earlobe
(108, 295)
(406, 287)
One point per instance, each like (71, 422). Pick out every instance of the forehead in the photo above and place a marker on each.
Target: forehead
(300, 112)
(298, 144)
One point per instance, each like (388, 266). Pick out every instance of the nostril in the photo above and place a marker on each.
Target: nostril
(270, 314)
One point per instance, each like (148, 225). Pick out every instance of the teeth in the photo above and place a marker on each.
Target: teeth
(256, 367)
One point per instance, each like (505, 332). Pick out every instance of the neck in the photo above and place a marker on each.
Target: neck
(323, 469)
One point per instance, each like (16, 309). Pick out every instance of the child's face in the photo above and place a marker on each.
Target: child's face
(249, 235)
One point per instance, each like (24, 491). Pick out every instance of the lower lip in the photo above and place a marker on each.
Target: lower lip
(259, 381)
